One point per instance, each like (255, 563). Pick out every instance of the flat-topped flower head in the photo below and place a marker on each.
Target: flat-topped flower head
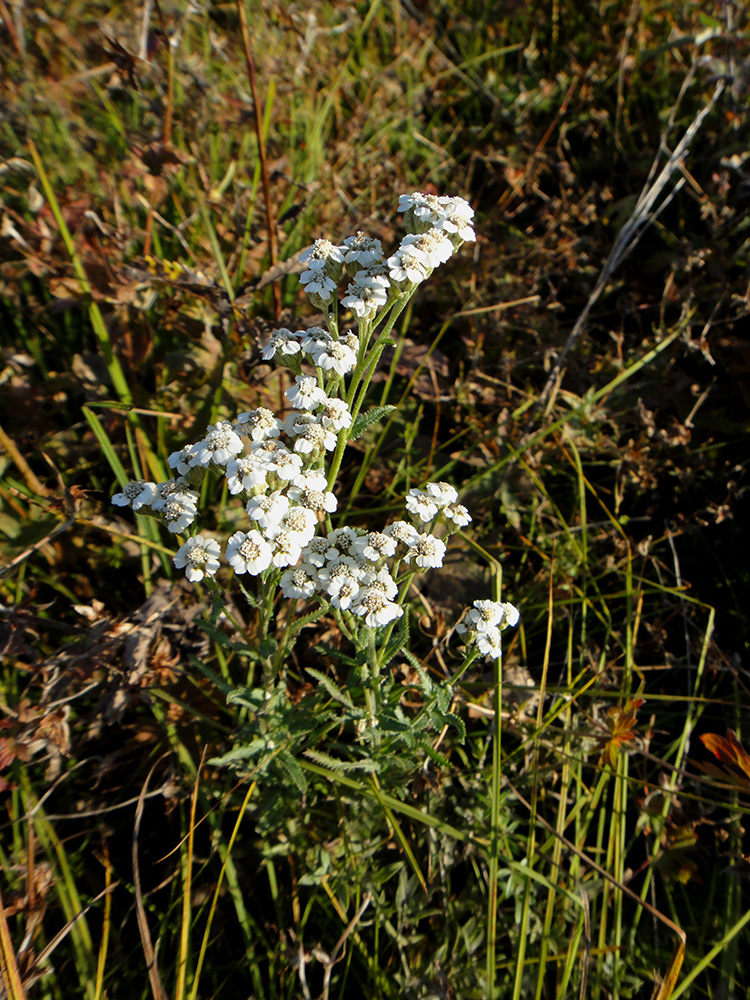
(283, 342)
(455, 218)
(458, 514)
(315, 550)
(135, 494)
(245, 474)
(407, 267)
(180, 460)
(376, 546)
(421, 505)
(336, 415)
(484, 623)
(322, 253)
(300, 521)
(364, 298)
(301, 581)
(268, 511)
(306, 394)
(220, 444)
(178, 510)
(249, 552)
(199, 557)
(325, 265)
(360, 251)
(335, 357)
(259, 424)
(431, 248)
(426, 211)
(372, 605)
(311, 437)
(442, 493)
(427, 552)
(402, 531)
(287, 548)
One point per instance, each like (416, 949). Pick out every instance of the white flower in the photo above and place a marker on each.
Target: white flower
(402, 531)
(324, 269)
(407, 266)
(344, 567)
(299, 521)
(484, 623)
(432, 248)
(336, 415)
(361, 251)
(487, 615)
(315, 340)
(376, 545)
(457, 513)
(427, 552)
(341, 542)
(372, 604)
(178, 510)
(364, 299)
(282, 341)
(306, 394)
(287, 548)
(324, 251)
(490, 643)
(451, 215)
(268, 511)
(301, 581)
(259, 424)
(315, 550)
(336, 357)
(317, 500)
(285, 464)
(442, 493)
(220, 444)
(312, 437)
(455, 218)
(244, 474)
(180, 460)
(318, 283)
(343, 590)
(421, 505)
(135, 494)
(248, 552)
(381, 580)
(199, 557)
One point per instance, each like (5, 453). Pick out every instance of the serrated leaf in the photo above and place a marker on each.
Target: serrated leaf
(367, 419)
(293, 769)
(340, 765)
(335, 692)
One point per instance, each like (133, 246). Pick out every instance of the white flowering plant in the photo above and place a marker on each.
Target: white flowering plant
(278, 474)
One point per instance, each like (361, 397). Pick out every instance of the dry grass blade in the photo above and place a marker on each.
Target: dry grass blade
(664, 989)
(643, 215)
(12, 985)
(148, 949)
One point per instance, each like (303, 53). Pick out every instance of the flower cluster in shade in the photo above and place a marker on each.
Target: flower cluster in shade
(484, 622)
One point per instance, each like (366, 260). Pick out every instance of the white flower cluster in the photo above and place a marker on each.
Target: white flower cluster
(437, 226)
(276, 467)
(484, 623)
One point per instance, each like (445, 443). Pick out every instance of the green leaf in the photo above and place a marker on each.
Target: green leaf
(367, 419)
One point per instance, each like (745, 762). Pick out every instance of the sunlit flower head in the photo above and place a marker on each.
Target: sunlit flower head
(199, 557)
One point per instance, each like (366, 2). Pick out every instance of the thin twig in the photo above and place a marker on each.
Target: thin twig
(270, 223)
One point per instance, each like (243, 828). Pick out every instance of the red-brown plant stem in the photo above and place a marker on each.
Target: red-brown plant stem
(270, 224)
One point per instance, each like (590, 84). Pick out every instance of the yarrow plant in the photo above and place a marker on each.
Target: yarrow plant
(280, 470)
